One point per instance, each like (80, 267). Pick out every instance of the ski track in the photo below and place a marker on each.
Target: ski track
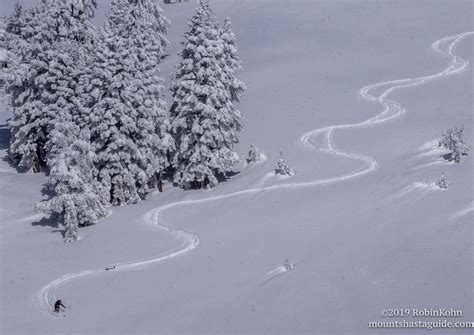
(416, 190)
(272, 274)
(466, 210)
(189, 241)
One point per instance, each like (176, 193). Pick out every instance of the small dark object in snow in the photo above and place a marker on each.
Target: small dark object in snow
(57, 306)
(110, 268)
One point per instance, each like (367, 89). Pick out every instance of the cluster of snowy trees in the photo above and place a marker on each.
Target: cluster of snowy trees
(453, 140)
(88, 104)
(282, 169)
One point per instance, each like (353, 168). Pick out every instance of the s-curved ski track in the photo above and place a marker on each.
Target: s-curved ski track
(391, 110)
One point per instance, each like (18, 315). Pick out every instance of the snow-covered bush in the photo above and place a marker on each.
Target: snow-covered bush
(287, 265)
(283, 167)
(453, 140)
(254, 155)
(443, 182)
(205, 121)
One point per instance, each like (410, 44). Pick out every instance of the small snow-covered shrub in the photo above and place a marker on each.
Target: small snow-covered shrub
(283, 167)
(287, 265)
(453, 140)
(442, 182)
(255, 155)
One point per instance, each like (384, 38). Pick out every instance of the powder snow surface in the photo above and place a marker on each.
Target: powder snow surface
(388, 238)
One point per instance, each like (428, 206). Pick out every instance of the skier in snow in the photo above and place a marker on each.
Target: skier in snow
(57, 306)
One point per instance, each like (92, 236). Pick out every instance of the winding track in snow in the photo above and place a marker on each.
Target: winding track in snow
(391, 110)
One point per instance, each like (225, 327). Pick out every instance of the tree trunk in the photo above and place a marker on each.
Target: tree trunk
(36, 165)
(38, 160)
(160, 182)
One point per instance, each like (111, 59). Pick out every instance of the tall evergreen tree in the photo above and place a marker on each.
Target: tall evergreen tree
(205, 121)
(78, 199)
(34, 85)
(128, 120)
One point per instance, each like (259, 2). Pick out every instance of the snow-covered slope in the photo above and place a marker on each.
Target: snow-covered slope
(383, 239)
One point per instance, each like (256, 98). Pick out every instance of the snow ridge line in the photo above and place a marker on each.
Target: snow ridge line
(391, 110)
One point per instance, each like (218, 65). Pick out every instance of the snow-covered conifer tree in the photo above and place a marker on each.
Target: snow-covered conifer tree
(205, 121)
(36, 83)
(13, 26)
(459, 149)
(16, 21)
(12, 49)
(128, 120)
(79, 197)
(442, 182)
(11, 40)
(254, 154)
(283, 167)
